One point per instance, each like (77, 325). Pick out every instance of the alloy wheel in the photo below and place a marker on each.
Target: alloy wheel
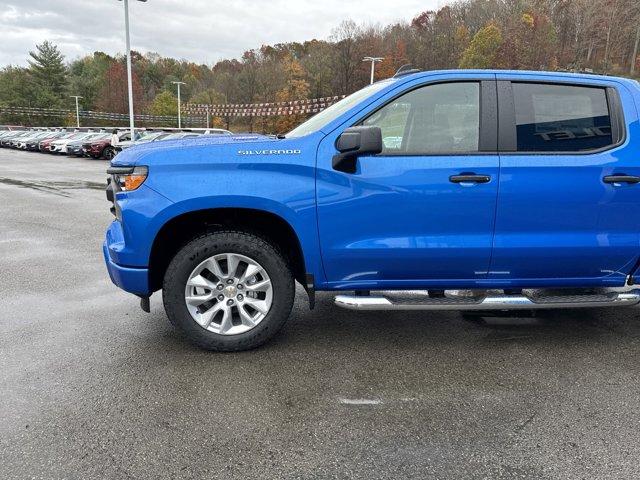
(228, 294)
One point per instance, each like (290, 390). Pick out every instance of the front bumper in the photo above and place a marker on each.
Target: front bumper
(128, 242)
(132, 280)
(92, 151)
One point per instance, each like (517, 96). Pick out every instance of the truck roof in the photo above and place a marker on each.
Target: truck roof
(521, 73)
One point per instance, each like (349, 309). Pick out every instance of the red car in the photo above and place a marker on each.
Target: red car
(98, 148)
(43, 145)
(102, 147)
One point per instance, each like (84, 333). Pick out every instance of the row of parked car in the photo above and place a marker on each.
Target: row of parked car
(94, 143)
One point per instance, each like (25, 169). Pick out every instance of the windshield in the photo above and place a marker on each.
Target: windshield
(173, 136)
(74, 136)
(329, 114)
(91, 136)
(178, 135)
(37, 135)
(149, 137)
(141, 135)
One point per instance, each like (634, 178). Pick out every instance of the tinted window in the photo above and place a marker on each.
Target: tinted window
(442, 118)
(561, 118)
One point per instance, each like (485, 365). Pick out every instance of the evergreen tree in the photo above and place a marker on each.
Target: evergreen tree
(49, 74)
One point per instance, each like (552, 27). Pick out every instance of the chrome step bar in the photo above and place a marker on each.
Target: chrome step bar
(490, 302)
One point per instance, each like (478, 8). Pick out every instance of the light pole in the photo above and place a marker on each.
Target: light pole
(179, 119)
(128, 47)
(373, 61)
(77, 110)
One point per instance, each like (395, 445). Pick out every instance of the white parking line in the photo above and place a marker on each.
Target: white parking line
(359, 401)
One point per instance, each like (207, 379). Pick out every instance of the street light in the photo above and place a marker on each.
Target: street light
(178, 84)
(373, 61)
(77, 110)
(130, 85)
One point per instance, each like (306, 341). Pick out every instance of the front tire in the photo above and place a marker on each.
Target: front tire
(108, 153)
(228, 291)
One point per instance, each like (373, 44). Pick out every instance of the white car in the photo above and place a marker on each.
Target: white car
(155, 137)
(60, 146)
(144, 138)
(23, 141)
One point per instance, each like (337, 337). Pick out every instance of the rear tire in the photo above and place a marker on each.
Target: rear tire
(109, 153)
(186, 270)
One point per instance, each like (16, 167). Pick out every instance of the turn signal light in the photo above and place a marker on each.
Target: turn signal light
(132, 181)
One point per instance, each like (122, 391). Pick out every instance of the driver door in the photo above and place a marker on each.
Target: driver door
(422, 212)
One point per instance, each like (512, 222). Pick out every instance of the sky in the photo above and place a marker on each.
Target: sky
(203, 31)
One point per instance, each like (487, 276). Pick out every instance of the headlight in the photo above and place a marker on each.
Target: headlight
(128, 178)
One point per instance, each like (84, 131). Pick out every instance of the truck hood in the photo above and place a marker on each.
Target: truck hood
(205, 148)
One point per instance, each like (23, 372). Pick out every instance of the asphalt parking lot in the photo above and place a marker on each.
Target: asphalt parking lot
(92, 387)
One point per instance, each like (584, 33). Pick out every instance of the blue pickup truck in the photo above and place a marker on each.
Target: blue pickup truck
(443, 190)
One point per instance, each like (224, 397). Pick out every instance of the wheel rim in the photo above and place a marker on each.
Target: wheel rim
(108, 154)
(228, 294)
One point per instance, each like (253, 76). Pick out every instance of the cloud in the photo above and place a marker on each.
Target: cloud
(203, 31)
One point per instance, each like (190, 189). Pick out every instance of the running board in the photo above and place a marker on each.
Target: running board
(490, 302)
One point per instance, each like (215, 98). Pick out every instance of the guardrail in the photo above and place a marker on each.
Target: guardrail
(55, 112)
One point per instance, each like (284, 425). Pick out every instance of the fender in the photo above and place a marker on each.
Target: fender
(288, 193)
(301, 222)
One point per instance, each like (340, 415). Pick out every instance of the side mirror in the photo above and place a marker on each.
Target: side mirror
(353, 143)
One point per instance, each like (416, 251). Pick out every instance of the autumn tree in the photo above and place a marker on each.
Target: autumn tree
(208, 97)
(114, 96)
(347, 55)
(319, 67)
(394, 58)
(295, 88)
(165, 103)
(483, 49)
(529, 43)
(87, 76)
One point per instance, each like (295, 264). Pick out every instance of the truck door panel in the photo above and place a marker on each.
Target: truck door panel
(557, 217)
(404, 218)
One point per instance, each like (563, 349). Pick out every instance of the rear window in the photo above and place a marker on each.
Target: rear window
(561, 118)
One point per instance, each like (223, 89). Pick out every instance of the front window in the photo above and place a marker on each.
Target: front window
(434, 119)
(329, 114)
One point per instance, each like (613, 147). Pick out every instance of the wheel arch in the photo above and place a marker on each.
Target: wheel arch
(180, 229)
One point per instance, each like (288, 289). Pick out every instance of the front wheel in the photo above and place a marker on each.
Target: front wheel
(109, 153)
(228, 291)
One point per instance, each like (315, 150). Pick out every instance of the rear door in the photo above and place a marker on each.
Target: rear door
(568, 210)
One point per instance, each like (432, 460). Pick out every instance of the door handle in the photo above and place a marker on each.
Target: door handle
(621, 178)
(469, 178)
